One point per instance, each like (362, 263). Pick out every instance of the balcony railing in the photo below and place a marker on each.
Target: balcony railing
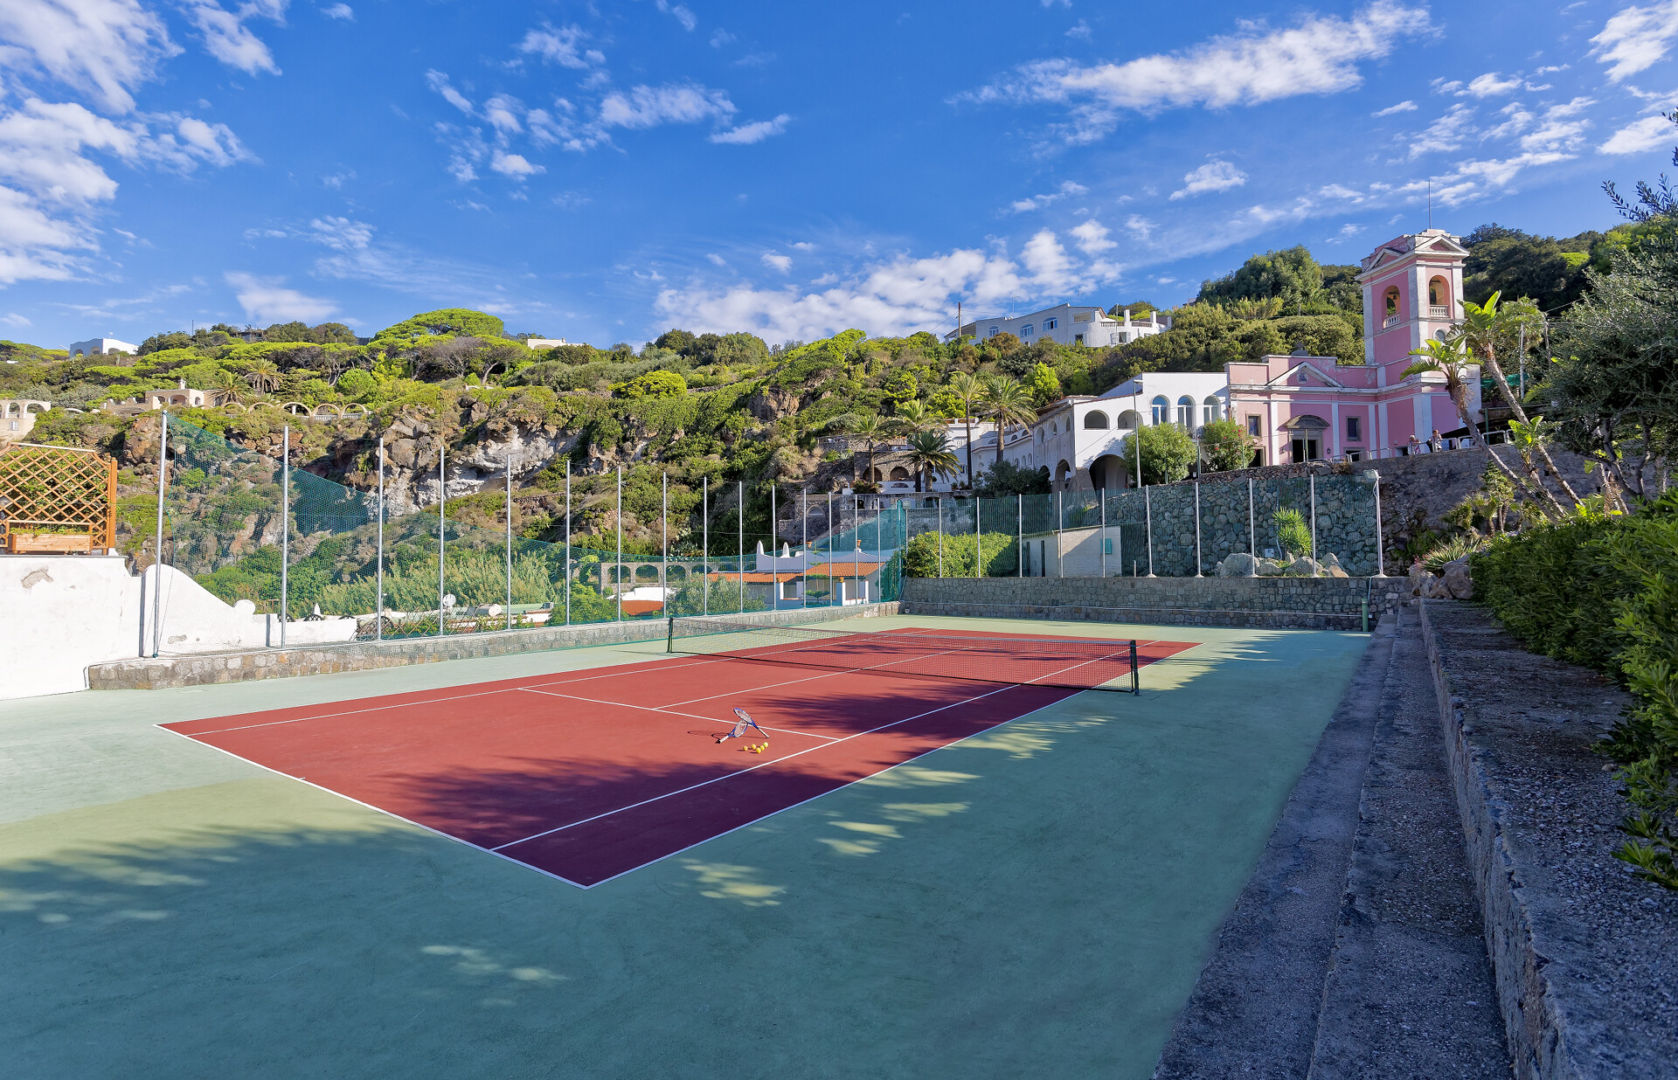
(1438, 311)
(1391, 321)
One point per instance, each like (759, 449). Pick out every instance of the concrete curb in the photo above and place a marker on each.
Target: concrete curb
(250, 664)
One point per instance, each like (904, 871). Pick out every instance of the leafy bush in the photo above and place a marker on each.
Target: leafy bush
(960, 555)
(1226, 445)
(1167, 453)
(1450, 550)
(1292, 533)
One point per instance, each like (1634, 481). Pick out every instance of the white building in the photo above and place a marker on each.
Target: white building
(1081, 439)
(1068, 324)
(539, 343)
(101, 346)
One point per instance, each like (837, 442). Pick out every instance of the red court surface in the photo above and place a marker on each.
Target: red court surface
(586, 775)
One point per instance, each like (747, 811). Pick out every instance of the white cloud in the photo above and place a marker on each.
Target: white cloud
(1080, 30)
(267, 300)
(513, 165)
(1140, 227)
(1448, 132)
(1491, 84)
(1636, 39)
(107, 47)
(1093, 238)
(1067, 189)
(779, 263)
(1649, 133)
(1212, 176)
(681, 12)
(716, 260)
(15, 321)
(747, 134)
(339, 11)
(439, 82)
(1051, 267)
(562, 45)
(229, 40)
(1401, 107)
(1318, 56)
(719, 38)
(676, 103)
(502, 112)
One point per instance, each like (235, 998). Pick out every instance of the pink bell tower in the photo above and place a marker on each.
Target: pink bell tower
(1412, 291)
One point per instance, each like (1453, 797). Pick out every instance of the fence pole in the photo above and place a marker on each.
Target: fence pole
(664, 540)
(1148, 512)
(568, 560)
(774, 551)
(839, 584)
(1198, 568)
(705, 544)
(379, 573)
(939, 502)
(442, 554)
(1060, 544)
(618, 573)
(856, 545)
(740, 520)
(1019, 534)
(978, 542)
(509, 539)
(285, 529)
(157, 552)
(1380, 548)
(1252, 534)
(1118, 533)
(804, 546)
(1102, 495)
(1313, 479)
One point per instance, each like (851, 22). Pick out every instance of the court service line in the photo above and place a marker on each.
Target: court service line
(436, 700)
(667, 712)
(776, 761)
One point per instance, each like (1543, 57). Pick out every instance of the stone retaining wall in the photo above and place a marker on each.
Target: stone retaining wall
(1280, 603)
(155, 674)
(1581, 950)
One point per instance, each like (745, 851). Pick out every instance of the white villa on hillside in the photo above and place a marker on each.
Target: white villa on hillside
(100, 346)
(1081, 439)
(1068, 324)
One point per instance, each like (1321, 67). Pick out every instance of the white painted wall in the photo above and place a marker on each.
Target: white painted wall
(60, 613)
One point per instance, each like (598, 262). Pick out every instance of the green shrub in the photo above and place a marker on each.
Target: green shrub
(960, 555)
(1292, 533)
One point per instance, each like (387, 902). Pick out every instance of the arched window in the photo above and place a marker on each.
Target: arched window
(1095, 418)
(1209, 409)
(1025, 331)
(1162, 409)
(1439, 298)
(1130, 420)
(1389, 305)
(1185, 412)
(898, 472)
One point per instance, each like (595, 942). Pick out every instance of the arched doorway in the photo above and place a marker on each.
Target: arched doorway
(1107, 471)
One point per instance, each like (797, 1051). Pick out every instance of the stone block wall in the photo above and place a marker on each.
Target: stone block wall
(1286, 603)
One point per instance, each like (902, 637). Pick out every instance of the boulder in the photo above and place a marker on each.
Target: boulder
(1457, 582)
(1271, 568)
(1332, 567)
(1239, 564)
(1304, 566)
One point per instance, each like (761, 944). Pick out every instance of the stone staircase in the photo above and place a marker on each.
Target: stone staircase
(1356, 949)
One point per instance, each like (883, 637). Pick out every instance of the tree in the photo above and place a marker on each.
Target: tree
(1503, 260)
(1044, 384)
(1292, 276)
(1654, 201)
(287, 331)
(158, 342)
(870, 428)
(263, 375)
(1005, 478)
(1007, 403)
(910, 417)
(969, 391)
(1226, 445)
(1167, 452)
(929, 454)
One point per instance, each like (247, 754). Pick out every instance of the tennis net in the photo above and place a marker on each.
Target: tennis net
(1078, 663)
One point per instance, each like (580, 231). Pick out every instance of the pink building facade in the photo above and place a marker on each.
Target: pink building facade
(1309, 408)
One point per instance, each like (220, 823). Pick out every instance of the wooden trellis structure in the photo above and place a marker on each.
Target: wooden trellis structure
(56, 500)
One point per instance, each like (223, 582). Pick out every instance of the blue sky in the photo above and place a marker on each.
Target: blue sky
(602, 172)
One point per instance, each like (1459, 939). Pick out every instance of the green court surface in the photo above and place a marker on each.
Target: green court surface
(1036, 900)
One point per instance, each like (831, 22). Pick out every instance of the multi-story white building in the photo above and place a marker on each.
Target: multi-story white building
(1068, 324)
(1081, 439)
(100, 346)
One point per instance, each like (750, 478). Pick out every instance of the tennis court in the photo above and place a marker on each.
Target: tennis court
(610, 769)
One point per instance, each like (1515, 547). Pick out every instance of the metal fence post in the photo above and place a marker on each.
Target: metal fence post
(1148, 512)
(664, 540)
(1102, 495)
(1198, 565)
(978, 542)
(804, 546)
(442, 554)
(1313, 479)
(1380, 546)
(705, 544)
(774, 552)
(1252, 534)
(618, 572)
(1060, 534)
(379, 574)
(568, 559)
(157, 552)
(740, 519)
(939, 502)
(509, 539)
(833, 586)
(1019, 534)
(1118, 533)
(856, 546)
(285, 529)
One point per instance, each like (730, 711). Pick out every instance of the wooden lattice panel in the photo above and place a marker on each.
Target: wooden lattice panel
(54, 499)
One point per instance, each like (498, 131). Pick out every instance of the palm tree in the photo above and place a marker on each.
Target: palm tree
(870, 428)
(1479, 332)
(929, 452)
(1007, 401)
(969, 391)
(911, 417)
(264, 375)
(229, 387)
(1451, 359)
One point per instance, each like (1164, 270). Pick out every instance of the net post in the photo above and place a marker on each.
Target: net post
(379, 604)
(670, 634)
(1135, 671)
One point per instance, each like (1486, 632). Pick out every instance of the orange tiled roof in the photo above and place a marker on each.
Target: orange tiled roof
(642, 607)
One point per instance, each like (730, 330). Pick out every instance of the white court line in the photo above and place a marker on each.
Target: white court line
(670, 712)
(776, 761)
(434, 701)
